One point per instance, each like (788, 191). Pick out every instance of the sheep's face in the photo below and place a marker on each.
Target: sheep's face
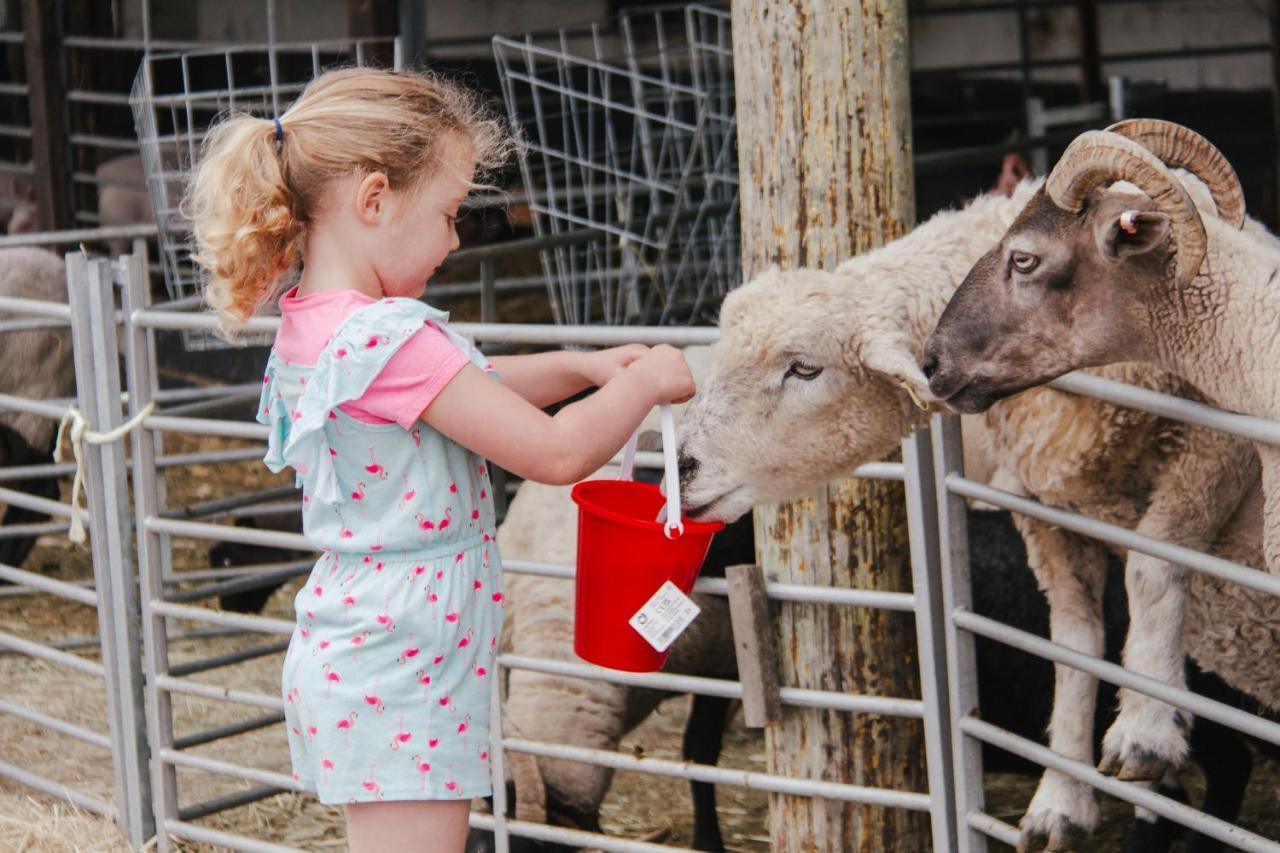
(789, 402)
(1060, 291)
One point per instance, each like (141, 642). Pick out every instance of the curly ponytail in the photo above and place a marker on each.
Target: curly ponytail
(253, 193)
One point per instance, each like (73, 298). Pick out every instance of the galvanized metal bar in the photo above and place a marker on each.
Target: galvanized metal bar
(16, 531)
(42, 583)
(215, 457)
(14, 497)
(1169, 406)
(241, 583)
(962, 667)
(900, 601)
(96, 352)
(79, 799)
(52, 409)
(228, 659)
(220, 732)
(54, 724)
(169, 684)
(205, 426)
(575, 838)
(1241, 721)
(148, 498)
(926, 583)
(1119, 536)
(174, 395)
(30, 325)
(888, 706)
(36, 472)
(231, 841)
(994, 827)
(33, 307)
(724, 776)
(76, 236)
(228, 533)
(259, 624)
(212, 507)
(1146, 798)
(236, 572)
(229, 801)
(226, 768)
(45, 653)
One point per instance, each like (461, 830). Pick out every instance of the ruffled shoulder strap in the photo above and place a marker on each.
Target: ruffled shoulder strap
(353, 358)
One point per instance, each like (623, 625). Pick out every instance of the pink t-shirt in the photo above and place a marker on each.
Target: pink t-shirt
(411, 379)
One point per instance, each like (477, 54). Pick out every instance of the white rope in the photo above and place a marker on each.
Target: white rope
(80, 433)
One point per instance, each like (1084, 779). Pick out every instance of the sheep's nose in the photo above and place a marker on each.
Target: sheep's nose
(930, 364)
(687, 466)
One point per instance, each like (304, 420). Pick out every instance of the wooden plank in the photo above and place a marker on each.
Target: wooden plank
(754, 646)
(824, 148)
(42, 44)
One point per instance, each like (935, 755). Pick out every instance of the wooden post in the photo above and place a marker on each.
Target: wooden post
(42, 44)
(824, 147)
(754, 646)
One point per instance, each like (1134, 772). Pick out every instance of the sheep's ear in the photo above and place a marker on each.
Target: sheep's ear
(1131, 232)
(895, 361)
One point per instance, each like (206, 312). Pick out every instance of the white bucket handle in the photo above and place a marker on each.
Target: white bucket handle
(671, 518)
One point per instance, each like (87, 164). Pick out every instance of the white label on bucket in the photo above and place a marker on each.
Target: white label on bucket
(664, 616)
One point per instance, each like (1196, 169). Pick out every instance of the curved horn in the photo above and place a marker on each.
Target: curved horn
(1183, 148)
(1097, 157)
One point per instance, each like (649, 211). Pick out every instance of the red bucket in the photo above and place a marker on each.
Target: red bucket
(625, 555)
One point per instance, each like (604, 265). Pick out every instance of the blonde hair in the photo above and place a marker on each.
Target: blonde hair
(255, 190)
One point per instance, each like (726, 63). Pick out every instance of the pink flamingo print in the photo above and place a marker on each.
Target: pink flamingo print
(326, 765)
(422, 767)
(317, 591)
(475, 514)
(466, 641)
(384, 619)
(483, 470)
(347, 601)
(320, 646)
(358, 492)
(436, 662)
(483, 494)
(447, 702)
(409, 492)
(359, 641)
(374, 700)
(374, 467)
(409, 653)
(481, 672)
(433, 742)
(431, 595)
(337, 428)
(497, 597)
(452, 786)
(417, 436)
(447, 520)
(376, 340)
(312, 730)
(401, 737)
(453, 488)
(345, 725)
(415, 573)
(425, 681)
(451, 616)
(425, 524)
(371, 784)
(463, 728)
(331, 676)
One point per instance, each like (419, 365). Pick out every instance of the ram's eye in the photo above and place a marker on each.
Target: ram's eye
(1023, 263)
(801, 370)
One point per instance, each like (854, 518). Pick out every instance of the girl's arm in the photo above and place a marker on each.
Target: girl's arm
(495, 422)
(549, 377)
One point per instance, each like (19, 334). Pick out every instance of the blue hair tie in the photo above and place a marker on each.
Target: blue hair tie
(279, 130)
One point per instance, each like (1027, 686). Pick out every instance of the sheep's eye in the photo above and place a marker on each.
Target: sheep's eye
(801, 370)
(1023, 263)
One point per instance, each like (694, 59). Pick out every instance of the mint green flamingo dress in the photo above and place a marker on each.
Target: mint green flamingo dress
(386, 681)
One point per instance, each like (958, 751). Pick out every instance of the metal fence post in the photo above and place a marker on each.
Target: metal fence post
(961, 663)
(926, 582)
(151, 546)
(90, 291)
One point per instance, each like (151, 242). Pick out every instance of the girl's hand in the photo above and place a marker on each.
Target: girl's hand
(603, 365)
(667, 374)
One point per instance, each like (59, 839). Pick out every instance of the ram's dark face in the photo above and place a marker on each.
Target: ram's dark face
(1059, 292)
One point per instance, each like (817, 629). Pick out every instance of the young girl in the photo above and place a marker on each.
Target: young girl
(388, 416)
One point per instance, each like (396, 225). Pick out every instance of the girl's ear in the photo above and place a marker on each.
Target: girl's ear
(371, 198)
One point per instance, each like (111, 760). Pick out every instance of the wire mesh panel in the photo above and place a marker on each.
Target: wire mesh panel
(631, 155)
(177, 97)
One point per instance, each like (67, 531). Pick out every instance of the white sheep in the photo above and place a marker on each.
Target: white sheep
(34, 363)
(815, 373)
